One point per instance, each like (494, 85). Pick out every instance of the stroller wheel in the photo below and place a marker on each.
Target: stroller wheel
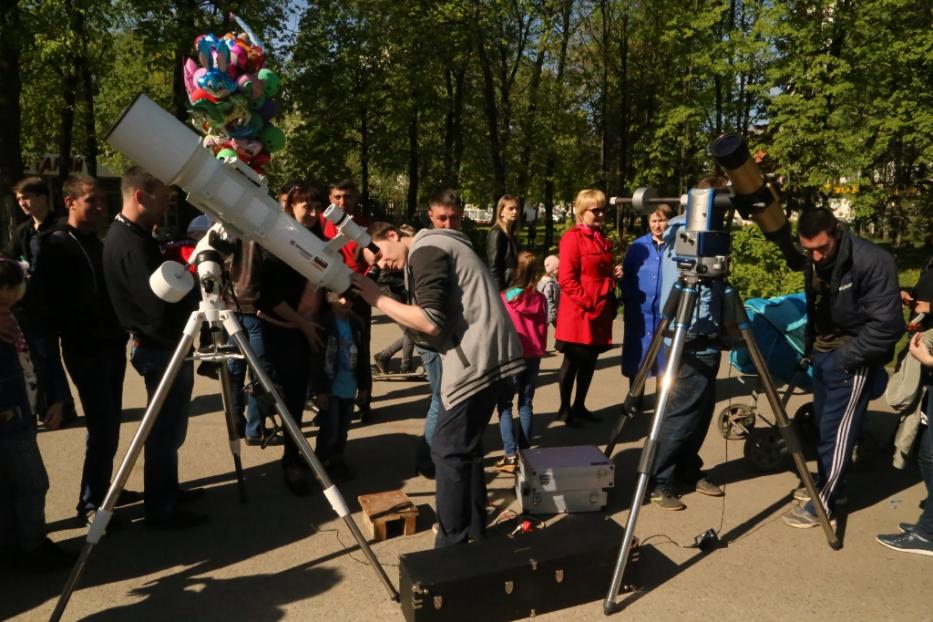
(765, 449)
(736, 421)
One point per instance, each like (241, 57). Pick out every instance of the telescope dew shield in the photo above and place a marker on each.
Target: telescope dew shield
(230, 192)
(753, 195)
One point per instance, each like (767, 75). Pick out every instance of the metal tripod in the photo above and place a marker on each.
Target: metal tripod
(678, 312)
(212, 311)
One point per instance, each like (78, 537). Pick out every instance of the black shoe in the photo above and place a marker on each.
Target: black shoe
(586, 415)
(47, 558)
(366, 414)
(189, 495)
(271, 439)
(177, 520)
(338, 469)
(129, 497)
(84, 518)
(569, 418)
(381, 362)
(209, 369)
(296, 478)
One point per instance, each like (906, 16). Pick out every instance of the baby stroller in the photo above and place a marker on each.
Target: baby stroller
(779, 328)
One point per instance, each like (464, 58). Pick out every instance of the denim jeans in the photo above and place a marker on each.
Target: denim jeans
(523, 384)
(457, 449)
(168, 433)
(98, 377)
(289, 356)
(334, 423)
(689, 413)
(432, 367)
(23, 484)
(252, 327)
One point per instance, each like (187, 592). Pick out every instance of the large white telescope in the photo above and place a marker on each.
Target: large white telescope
(231, 192)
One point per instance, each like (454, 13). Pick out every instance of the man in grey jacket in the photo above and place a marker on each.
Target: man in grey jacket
(456, 310)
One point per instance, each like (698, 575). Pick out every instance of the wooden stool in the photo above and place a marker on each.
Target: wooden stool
(381, 508)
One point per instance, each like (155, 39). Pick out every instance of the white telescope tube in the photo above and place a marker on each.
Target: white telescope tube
(230, 192)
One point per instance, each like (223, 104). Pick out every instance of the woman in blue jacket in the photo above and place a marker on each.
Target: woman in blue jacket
(641, 293)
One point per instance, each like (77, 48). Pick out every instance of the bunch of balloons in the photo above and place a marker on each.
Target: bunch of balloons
(231, 97)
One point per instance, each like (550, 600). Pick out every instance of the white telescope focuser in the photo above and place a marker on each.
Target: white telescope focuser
(231, 192)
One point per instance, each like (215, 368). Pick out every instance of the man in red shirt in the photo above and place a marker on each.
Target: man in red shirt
(344, 195)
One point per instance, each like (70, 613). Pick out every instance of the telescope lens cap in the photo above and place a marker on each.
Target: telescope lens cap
(729, 150)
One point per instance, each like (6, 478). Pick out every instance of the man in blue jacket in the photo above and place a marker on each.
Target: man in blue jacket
(855, 320)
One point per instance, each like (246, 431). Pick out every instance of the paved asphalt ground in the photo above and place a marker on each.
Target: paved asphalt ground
(279, 557)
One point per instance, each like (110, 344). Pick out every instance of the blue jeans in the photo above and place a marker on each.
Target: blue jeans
(252, 327)
(689, 413)
(432, 367)
(98, 377)
(23, 484)
(523, 384)
(457, 449)
(334, 423)
(169, 430)
(289, 356)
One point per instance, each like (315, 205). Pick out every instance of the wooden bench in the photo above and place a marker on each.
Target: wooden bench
(381, 508)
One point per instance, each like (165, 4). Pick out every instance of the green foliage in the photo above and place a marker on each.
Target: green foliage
(758, 269)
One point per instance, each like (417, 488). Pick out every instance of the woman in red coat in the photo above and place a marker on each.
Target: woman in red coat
(587, 305)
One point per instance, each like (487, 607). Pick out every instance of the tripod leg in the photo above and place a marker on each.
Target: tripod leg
(734, 305)
(333, 495)
(102, 517)
(637, 388)
(646, 462)
(226, 394)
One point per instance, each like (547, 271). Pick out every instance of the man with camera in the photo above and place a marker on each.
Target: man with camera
(855, 320)
(131, 254)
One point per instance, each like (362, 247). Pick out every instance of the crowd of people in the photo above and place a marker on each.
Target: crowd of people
(478, 326)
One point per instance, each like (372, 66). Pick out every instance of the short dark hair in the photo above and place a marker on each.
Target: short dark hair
(816, 220)
(288, 187)
(32, 185)
(137, 178)
(75, 184)
(379, 231)
(343, 184)
(446, 197)
(11, 273)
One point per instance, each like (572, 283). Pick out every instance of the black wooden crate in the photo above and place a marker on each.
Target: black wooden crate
(563, 565)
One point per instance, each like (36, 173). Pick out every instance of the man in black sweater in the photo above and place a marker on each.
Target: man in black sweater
(70, 301)
(131, 254)
(854, 321)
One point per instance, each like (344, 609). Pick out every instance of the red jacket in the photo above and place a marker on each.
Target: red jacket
(587, 288)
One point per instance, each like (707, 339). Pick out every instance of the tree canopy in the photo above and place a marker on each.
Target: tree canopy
(537, 98)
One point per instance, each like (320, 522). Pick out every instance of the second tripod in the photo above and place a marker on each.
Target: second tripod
(678, 314)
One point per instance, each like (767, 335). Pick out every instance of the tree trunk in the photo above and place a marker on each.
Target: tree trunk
(566, 11)
(413, 159)
(11, 156)
(364, 155)
(453, 124)
(604, 97)
(492, 112)
(530, 135)
(90, 130)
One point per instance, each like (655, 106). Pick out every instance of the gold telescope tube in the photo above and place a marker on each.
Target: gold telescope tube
(754, 195)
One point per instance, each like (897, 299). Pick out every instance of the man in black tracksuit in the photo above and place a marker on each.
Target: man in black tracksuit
(70, 301)
(855, 320)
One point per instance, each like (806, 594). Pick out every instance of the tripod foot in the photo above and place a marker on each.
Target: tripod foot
(610, 607)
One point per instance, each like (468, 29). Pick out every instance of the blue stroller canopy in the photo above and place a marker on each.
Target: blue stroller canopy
(779, 326)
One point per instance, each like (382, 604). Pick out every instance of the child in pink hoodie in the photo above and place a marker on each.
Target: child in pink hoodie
(528, 310)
